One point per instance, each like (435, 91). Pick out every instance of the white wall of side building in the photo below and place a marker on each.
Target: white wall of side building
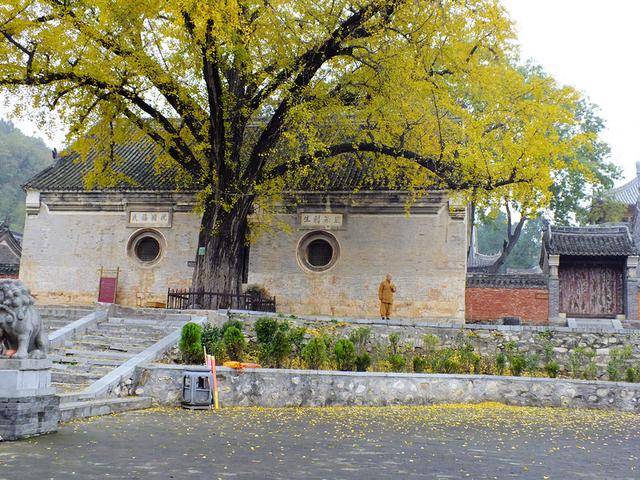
(68, 238)
(425, 252)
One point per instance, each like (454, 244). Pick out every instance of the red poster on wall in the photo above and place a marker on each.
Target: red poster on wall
(108, 286)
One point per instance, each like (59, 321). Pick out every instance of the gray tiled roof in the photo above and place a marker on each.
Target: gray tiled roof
(135, 159)
(629, 193)
(605, 240)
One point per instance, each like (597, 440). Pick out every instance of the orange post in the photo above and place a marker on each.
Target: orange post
(215, 383)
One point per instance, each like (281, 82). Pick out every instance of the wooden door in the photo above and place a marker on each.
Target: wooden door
(591, 289)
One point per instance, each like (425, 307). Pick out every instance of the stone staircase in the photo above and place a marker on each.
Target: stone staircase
(95, 354)
(55, 317)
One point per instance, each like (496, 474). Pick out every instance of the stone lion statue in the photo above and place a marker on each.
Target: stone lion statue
(22, 334)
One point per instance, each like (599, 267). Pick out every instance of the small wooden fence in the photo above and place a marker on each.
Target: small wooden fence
(190, 299)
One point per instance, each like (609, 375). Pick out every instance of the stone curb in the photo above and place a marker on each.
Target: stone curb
(307, 388)
(79, 326)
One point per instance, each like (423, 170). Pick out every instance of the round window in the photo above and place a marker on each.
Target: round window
(147, 249)
(146, 246)
(318, 251)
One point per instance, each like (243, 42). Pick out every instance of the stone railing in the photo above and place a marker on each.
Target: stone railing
(487, 280)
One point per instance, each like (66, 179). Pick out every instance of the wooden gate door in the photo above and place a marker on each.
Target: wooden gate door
(591, 290)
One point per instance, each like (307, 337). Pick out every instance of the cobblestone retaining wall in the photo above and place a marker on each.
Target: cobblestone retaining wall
(296, 388)
(486, 339)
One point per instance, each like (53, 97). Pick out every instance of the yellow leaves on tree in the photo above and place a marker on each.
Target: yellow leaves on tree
(245, 98)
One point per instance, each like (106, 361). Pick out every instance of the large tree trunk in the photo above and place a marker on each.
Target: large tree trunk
(507, 247)
(223, 234)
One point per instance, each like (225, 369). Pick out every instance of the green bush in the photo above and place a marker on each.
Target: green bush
(265, 328)
(552, 368)
(632, 374)
(278, 349)
(363, 362)
(315, 353)
(360, 337)
(191, 344)
(618, 358)
(296, 336)
(277, 341)
(232, 323)
(397, 362)
(430, 343)
(394, 343)
(419, 364)
(517, 364)
(234, 343)
(345, 354)
(580, 362)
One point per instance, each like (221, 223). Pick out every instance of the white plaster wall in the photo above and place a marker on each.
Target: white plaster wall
(425, 253)
(62, 254)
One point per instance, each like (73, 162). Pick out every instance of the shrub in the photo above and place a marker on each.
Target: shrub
(632, 374)
(552, 368)
(345, 354)
(419, 364)
(394, 342)
(363, 362)
(517, 363)
(234, 343)
(397, 362)
(191, 343)
(501, 363)
(430, 342)
(277, 340)
(278, 349)
(579, 361)
(265, 328)
(618, 357)
(360, 337)
(232, 323)
(315, 353)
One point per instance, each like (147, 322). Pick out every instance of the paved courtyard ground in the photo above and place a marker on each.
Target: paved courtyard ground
(454, 441)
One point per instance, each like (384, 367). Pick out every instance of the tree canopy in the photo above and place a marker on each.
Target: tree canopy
(21, 157)
(246, 97)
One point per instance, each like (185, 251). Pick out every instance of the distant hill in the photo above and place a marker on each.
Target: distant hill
(21, 157)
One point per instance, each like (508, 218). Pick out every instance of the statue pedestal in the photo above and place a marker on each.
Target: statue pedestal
(28, 403)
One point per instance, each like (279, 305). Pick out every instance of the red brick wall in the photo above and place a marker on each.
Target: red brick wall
(491, 304)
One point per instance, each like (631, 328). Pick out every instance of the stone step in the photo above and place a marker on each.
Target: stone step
(74, 378)
(121, 346)
(68, 388)
(131, 330)
(96, 354)
(144, 321)
(78, 360)
(110, 340)
(104, 406)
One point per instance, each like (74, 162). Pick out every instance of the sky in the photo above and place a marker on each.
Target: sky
(593, 46)
(589, 44)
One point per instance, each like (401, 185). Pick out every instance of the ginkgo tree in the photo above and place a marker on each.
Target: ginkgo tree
(246, 98)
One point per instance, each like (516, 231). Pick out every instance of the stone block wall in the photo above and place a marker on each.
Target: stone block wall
(486, 339)
(307, 388)
(490, 298)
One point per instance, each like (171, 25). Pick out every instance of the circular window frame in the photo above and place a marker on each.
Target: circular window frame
(140, 235)
(302, 251)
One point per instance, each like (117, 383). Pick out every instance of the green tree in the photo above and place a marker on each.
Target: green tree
(21, 157)
(246, 98)
(574, 195)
